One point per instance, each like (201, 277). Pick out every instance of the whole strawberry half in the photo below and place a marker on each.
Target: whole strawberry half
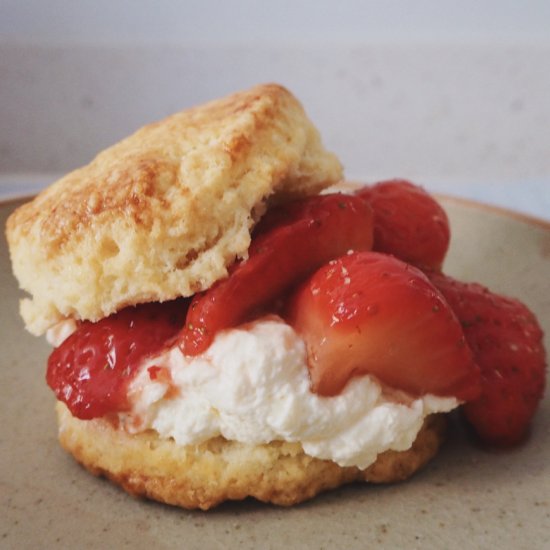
(290, 242)
(506, 341)
(90, 371)
(370, 313)
(408, 223)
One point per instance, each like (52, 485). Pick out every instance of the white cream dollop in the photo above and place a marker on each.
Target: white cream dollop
(59, 332)
(252, 386)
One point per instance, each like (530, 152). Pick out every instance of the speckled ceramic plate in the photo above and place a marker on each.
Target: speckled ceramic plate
(466, 498)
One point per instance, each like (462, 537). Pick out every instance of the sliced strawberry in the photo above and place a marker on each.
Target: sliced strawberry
(506, 340)
(90, 370)
(370, 313)
(408, 223)
(290, 242)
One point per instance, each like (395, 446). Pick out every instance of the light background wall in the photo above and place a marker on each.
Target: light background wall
(257, 21)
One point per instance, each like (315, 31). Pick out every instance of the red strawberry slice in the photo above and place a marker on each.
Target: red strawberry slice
(90, 371)
(370, 313)
(290, 242)
(506, 341)
(408, 223)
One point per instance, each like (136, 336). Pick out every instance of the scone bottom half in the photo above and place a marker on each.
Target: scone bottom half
(204, 476)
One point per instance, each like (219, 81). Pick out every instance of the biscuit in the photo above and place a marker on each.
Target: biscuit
(203, 476)
(163, 213)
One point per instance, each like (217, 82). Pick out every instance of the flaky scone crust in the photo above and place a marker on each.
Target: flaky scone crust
(164, 212)
(218, 470)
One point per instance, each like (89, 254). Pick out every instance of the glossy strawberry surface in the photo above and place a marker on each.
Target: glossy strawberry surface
(506, 341)
(408, 223)
(290, 242)
(90, 371)
(370, 313)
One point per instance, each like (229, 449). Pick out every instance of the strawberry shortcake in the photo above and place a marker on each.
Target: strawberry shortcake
(223, 327)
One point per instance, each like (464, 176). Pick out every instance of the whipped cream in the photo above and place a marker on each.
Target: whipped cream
(252, 386)
(59, 332)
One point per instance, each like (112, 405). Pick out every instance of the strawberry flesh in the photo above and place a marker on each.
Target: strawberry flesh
(506, 341)
(290, 242)
(370, 313)
(90, 371)
(408, 223)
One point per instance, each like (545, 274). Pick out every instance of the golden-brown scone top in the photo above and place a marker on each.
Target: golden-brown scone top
(203, 476)
(164, 212)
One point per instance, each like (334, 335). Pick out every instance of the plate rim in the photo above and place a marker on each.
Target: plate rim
(496, 209)
(463, 201)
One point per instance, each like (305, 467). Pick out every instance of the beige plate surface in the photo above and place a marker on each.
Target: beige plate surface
(467, 498)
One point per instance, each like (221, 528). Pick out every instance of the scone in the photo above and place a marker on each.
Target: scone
(216, 470)
(224, 330)
(163, 213)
